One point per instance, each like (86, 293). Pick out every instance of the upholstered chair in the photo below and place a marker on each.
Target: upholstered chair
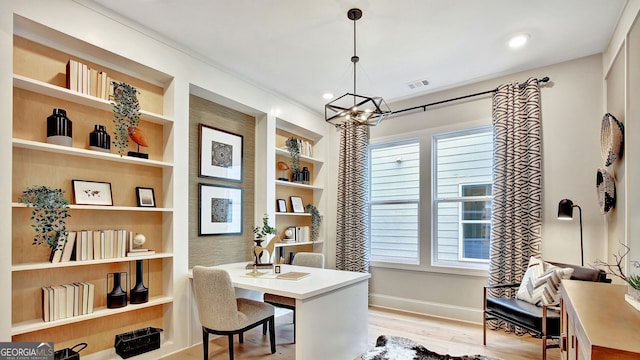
(307, 259)
(221, 313)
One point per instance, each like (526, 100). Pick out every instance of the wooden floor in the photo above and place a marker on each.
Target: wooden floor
(442, 336)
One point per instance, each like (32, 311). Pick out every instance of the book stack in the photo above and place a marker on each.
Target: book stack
(300, 234)
(85, 80)
(96, 245)
(68, 300)
(305, 147)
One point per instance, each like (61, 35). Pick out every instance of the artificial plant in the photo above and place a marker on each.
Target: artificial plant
(126, 114)
(261, 231)
(315, 221)
(50, 209)
(294, 151)
(617, 268)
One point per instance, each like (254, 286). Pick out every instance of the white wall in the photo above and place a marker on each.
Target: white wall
(571, 115)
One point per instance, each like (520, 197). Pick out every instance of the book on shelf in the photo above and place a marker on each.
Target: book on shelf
(67, 300)
(140, 252)
(69, 246)
(57, 255)
(294, 275)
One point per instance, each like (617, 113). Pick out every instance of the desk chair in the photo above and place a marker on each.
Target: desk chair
(308, 259)
(221, 313)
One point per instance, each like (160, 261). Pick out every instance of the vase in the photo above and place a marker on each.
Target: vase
(306, 176)
(117, 297)
(256, 251)
(139, 293)
(99, 139)
(59, 128)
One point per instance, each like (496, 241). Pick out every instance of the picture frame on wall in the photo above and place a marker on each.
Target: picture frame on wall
(92, 193)
(296, 204)
(145, 197)
(220, 210)
(220, 154)
(282, 205)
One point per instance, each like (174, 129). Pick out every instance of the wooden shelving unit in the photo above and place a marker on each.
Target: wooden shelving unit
(37, 88)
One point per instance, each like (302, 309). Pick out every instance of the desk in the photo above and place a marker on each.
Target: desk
(331, 308)
(598, 323)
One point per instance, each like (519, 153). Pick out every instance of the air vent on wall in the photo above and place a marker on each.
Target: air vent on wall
(417, 84)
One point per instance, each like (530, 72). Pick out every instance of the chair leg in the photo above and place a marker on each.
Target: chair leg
(272, 334)
(205, 344)
(484, 329)
(544, 347)
(230, 337)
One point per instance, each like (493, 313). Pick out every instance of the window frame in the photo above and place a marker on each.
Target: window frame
(462, 221)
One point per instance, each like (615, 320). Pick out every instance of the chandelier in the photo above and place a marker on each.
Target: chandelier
(353, 109)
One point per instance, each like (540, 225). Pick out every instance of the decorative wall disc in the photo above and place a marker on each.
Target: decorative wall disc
(606, 188)
(611, 139)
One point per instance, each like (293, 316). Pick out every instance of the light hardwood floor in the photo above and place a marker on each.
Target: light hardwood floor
(442, 336)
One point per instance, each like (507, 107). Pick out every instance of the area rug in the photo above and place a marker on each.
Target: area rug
(399, 348)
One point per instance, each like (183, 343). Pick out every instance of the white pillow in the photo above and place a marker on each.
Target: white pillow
(541, 283)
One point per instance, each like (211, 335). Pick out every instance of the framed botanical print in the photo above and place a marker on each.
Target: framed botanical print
(220, 154)
(220, 210)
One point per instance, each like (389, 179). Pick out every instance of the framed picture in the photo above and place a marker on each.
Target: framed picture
(282, 205)
(220, 210)
(296, 204)
(91, 193)
(220, 154)
(145, 197)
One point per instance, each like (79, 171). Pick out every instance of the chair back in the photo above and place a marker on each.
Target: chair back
(215, 298)
(585, 273)
(309, 259)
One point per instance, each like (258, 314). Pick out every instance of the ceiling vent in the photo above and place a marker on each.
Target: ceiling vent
(417, 84)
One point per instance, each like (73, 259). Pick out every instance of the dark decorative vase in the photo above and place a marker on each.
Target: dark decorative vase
(256, 251)
(99, 139)
(117, 298)
(306, 175)
(139, 293)
(59, 128)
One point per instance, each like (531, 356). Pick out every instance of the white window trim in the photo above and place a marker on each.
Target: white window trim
(426, 261)
(461, 199)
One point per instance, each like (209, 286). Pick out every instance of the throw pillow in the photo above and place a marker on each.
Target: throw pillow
(541, 283)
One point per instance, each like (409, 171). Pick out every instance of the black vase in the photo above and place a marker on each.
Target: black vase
(59, 128)
(139, 293)
(99, 139)
(117, 298)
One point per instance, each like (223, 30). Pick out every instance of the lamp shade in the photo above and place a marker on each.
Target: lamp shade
(565, 209)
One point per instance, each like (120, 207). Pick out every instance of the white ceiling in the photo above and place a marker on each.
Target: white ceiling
(302, 48)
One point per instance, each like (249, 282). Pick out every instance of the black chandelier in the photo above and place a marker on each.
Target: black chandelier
(353, 109)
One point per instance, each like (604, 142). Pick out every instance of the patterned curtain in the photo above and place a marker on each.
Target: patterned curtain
(352, 244)
(517, 192)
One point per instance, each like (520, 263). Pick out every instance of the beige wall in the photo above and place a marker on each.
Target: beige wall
(220, 249)
(571, 114)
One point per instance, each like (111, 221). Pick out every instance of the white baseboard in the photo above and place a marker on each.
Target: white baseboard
(446, 311)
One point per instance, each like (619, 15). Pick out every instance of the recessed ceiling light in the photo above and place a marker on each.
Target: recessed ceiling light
(327, 96)
(518, 41)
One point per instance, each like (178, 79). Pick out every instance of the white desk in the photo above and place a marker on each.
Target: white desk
(331, 308)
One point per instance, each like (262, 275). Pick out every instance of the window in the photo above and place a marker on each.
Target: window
(395, 202)
(462, 173)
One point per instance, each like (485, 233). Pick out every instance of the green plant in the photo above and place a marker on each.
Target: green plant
(315, 221)
(261, 231)
(294, 151)
(617, 268)
(50, 209)
(126, 111)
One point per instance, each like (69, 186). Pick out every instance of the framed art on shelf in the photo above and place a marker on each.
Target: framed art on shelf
(296, 204)
(220, 154)
(145, 197)
(91, 193)
(220, 210)
(282, 205)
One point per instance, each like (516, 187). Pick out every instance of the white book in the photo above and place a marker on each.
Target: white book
(91, 290)
(60, 302)
(57, 254)
(90, 245)
(69, 300)
(81, 299)
(97, 235)
(45, 304)
(76, 299)
(103, 253)
(69, 246)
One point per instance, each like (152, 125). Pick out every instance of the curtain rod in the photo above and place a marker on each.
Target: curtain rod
(424, 107)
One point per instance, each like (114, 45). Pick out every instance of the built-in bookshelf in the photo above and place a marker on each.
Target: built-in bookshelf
(39, 85)
(310, 193)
